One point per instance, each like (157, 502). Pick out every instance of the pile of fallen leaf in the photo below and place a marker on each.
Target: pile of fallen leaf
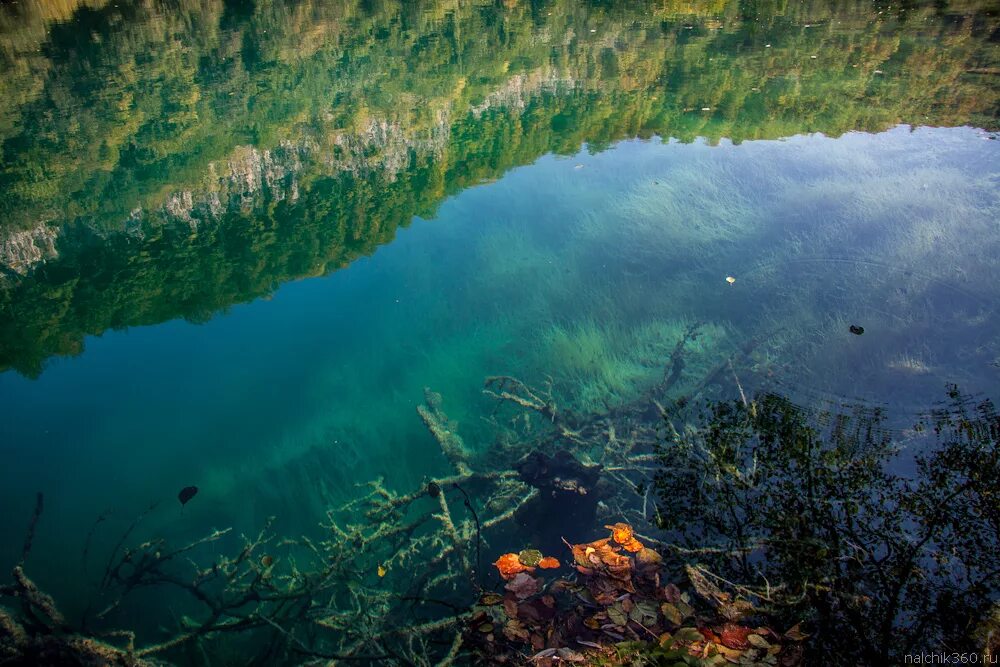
(612, 608)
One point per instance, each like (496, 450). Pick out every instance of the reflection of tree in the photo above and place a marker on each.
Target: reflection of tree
(308, 132)
(885, 549)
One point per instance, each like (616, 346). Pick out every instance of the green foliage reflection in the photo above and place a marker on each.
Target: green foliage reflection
(169, 161)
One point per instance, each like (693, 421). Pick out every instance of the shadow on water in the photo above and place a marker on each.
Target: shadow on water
(885, 548)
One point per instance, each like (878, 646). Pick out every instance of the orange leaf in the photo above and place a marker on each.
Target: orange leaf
(633, 545)
(548, 563)
(582, 552)
(509, 566)
(621, 533)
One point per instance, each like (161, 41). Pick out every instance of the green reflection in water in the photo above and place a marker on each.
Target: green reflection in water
(169, 162)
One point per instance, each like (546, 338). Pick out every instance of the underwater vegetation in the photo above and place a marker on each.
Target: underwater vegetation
(597, 365)
(743, 529)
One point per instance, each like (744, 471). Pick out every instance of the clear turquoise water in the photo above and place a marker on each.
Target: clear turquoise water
(238, 242)
(584, 268)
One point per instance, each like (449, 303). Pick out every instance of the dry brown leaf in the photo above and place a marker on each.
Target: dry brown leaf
(795, 634)
(734, 636)
(515, 631)
(523, 585)
(510, 607)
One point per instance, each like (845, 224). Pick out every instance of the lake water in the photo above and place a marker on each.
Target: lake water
(240, 240)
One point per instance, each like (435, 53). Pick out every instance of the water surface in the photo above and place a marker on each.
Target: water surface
(241, 240)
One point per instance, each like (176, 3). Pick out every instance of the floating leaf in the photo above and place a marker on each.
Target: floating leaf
(510, 607)
(514, 630)
(621, 532)
(490, 599)
(732, 610)
(381, 571)
(634, 546)
(688, 635)
(672, 613)
(601, 556)
(708, 635)
(581, 553)
(644, 612)
(510, 566)
(795, 634)
(758, 641)
(730, 654)
(523, 585)
(617, 615)
(734, 636)
(530, 557)
(648, 558)
(548, 563)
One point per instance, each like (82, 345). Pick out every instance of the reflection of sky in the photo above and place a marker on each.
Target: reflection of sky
(896, 232)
